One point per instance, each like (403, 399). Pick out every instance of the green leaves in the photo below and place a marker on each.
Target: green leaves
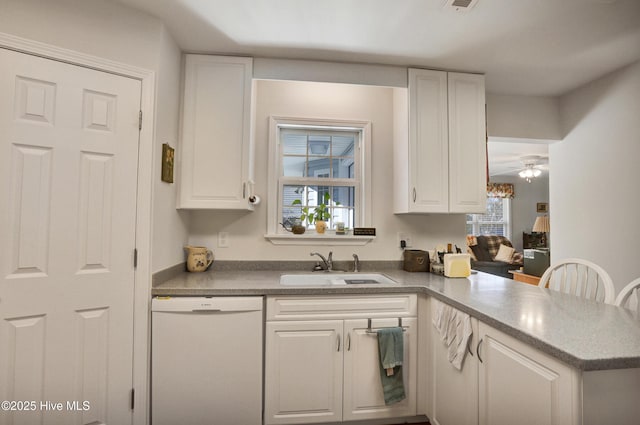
(319, 213)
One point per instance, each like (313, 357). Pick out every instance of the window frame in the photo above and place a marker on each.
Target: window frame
(362, 205)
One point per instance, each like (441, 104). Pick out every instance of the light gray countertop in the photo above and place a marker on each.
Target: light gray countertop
(584, 334)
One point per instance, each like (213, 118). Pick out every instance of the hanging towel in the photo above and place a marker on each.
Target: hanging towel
(391, 347)
(455, 330)
(458, 346)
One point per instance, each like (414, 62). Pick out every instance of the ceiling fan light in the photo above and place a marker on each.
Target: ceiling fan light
(536, 173)
(522, 174)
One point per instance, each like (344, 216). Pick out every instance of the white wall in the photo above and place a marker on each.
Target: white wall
(523, 205)
(523, 117)
(170, 226)
(324, 100)
(112, 31)
(596, 172)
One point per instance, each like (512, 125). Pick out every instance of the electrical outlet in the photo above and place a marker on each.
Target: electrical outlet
(223, 239)
(406, 237)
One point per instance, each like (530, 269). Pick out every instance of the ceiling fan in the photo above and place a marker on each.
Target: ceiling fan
(507, 165)
(532, 167)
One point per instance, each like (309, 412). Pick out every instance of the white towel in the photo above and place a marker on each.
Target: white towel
(455, 330)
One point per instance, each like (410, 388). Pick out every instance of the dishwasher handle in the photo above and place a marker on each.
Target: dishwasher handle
(206, 304)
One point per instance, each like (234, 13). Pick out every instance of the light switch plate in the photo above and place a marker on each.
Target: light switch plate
(223, 239)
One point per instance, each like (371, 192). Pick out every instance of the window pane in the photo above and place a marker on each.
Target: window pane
(294, 143)
(290, 215)
(470, 228)
(344, 215)
(494, 210)
(320, 168)
(494, 222)
(343, 196)
(492, 229)
(292, 193)
(342, 145)
(319, 145)
(294, 166)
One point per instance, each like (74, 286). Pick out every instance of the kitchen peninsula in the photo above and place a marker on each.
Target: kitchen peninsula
(595, 342)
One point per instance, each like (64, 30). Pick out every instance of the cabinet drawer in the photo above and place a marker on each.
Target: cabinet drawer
(340, 307)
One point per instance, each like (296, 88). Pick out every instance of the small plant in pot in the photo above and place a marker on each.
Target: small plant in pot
(293, 225)
(318, 215)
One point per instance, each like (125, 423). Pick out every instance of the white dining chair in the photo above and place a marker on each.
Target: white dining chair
(629, 297)
(581, 278)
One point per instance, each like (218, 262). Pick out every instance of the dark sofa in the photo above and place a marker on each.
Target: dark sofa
(485, 249)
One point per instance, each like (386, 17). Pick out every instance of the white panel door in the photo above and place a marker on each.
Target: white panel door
(363, 396)
(303, 372)
(68, 170)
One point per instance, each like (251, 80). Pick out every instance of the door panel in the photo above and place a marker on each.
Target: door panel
(364, 398)
(455, 392)
(68, 172)
(303, 372)
(518, 384)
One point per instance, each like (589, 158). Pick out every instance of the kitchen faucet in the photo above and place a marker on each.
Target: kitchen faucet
(327, 262)
(356, 263)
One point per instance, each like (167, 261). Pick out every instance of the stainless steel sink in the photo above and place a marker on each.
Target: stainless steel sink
(330, 279)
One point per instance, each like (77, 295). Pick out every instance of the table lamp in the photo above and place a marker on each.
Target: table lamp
(541, 225)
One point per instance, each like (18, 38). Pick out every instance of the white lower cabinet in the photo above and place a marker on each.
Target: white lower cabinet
(455, 392)
(322, 364)
(502, 382)
(519, 384)
(303, 372)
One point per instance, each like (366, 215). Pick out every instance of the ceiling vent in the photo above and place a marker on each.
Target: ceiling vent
(461, 5)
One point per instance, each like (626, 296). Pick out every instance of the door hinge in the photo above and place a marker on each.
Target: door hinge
(135, 257)
(140, 121)
(133, 398)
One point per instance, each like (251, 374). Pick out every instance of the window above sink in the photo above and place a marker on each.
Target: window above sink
(311, 160)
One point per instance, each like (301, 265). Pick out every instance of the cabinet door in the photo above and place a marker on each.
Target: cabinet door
(455, 392)
(521, 385)
(216, 148)
(363, 397)
(467, 144)
(303, 372)
(428, 142)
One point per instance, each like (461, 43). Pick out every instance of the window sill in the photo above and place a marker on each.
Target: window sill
(316, 239)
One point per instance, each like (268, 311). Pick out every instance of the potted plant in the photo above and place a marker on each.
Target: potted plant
(318, 215)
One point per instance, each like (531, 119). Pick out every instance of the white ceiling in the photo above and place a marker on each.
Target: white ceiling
(530, 47)
(509, 158)
(526, 47)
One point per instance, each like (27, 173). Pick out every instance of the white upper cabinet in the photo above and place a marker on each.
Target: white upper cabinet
(467, 143)
(216, 151)
(440, 163)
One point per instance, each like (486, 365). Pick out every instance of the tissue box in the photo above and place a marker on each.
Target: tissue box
(457, 265)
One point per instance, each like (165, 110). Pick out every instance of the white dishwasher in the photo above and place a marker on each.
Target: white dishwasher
(206, 360)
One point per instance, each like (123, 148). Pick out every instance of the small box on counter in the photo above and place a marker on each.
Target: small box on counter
(457, 265)
(415, 260)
